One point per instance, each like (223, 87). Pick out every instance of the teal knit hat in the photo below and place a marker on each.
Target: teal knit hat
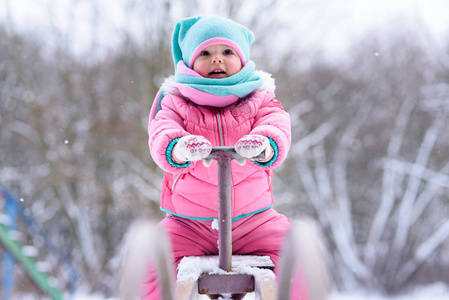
(192, 35)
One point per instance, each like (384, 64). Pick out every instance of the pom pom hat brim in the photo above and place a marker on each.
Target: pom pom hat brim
(192, 35)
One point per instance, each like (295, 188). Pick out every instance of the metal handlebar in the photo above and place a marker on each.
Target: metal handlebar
(217, 150)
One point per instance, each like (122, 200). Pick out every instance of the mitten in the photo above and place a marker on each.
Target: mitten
(252, 145)
(192, 148)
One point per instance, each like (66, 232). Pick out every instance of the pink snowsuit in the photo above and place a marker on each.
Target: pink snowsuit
(189, 193)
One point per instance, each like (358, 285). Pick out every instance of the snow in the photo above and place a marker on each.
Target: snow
(30, 251)
(5, 219)
(190, 268)
(215, 224)
(437, 291)
(434, 292)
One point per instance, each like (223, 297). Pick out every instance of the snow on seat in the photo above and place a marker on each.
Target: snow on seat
(192, 267)
(202, 275)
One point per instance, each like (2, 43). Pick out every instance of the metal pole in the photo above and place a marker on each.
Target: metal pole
(223, 155)
(224, 211)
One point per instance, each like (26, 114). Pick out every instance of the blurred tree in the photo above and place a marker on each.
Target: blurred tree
(368, 158)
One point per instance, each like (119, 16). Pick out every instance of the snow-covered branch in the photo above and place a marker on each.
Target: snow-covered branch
(439, 179)
(26, 131)
(313, 138)
(388, 184)
(422, 253)
(414, 182)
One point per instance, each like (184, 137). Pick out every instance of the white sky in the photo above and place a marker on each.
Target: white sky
(320, 23)
(338, 22)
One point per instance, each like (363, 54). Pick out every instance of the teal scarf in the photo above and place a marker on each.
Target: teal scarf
(216, 92)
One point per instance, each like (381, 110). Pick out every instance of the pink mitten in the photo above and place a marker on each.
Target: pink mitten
(192, 148)
(252, 145)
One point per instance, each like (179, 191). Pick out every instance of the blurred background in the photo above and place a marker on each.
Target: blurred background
(366, 84)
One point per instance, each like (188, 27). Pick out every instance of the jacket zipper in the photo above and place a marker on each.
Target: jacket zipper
(174, 182)
(220, 127)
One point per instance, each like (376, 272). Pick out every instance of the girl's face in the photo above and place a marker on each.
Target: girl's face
(217, 61)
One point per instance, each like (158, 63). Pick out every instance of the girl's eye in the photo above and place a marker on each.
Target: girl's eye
(228, 52)
(204, 53)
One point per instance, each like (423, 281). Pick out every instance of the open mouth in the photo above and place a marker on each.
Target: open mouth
(217, 72)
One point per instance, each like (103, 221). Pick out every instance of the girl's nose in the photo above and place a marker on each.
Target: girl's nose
(217, 59)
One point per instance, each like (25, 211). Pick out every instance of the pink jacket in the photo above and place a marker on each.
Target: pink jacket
(191, 191)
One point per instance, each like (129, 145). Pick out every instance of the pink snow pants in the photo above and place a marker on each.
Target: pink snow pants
(260, 234)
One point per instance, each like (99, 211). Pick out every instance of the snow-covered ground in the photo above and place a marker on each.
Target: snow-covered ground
(432, 292)
(349, 296)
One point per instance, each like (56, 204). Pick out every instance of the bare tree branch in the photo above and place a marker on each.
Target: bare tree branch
(388, 185)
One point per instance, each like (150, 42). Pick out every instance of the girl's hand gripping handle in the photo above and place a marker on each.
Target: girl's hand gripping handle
(191, 148)
(253, 145)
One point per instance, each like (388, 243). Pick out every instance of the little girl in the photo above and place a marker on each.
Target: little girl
(217, 98)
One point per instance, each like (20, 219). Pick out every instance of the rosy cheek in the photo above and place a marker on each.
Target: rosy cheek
(236, 67)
